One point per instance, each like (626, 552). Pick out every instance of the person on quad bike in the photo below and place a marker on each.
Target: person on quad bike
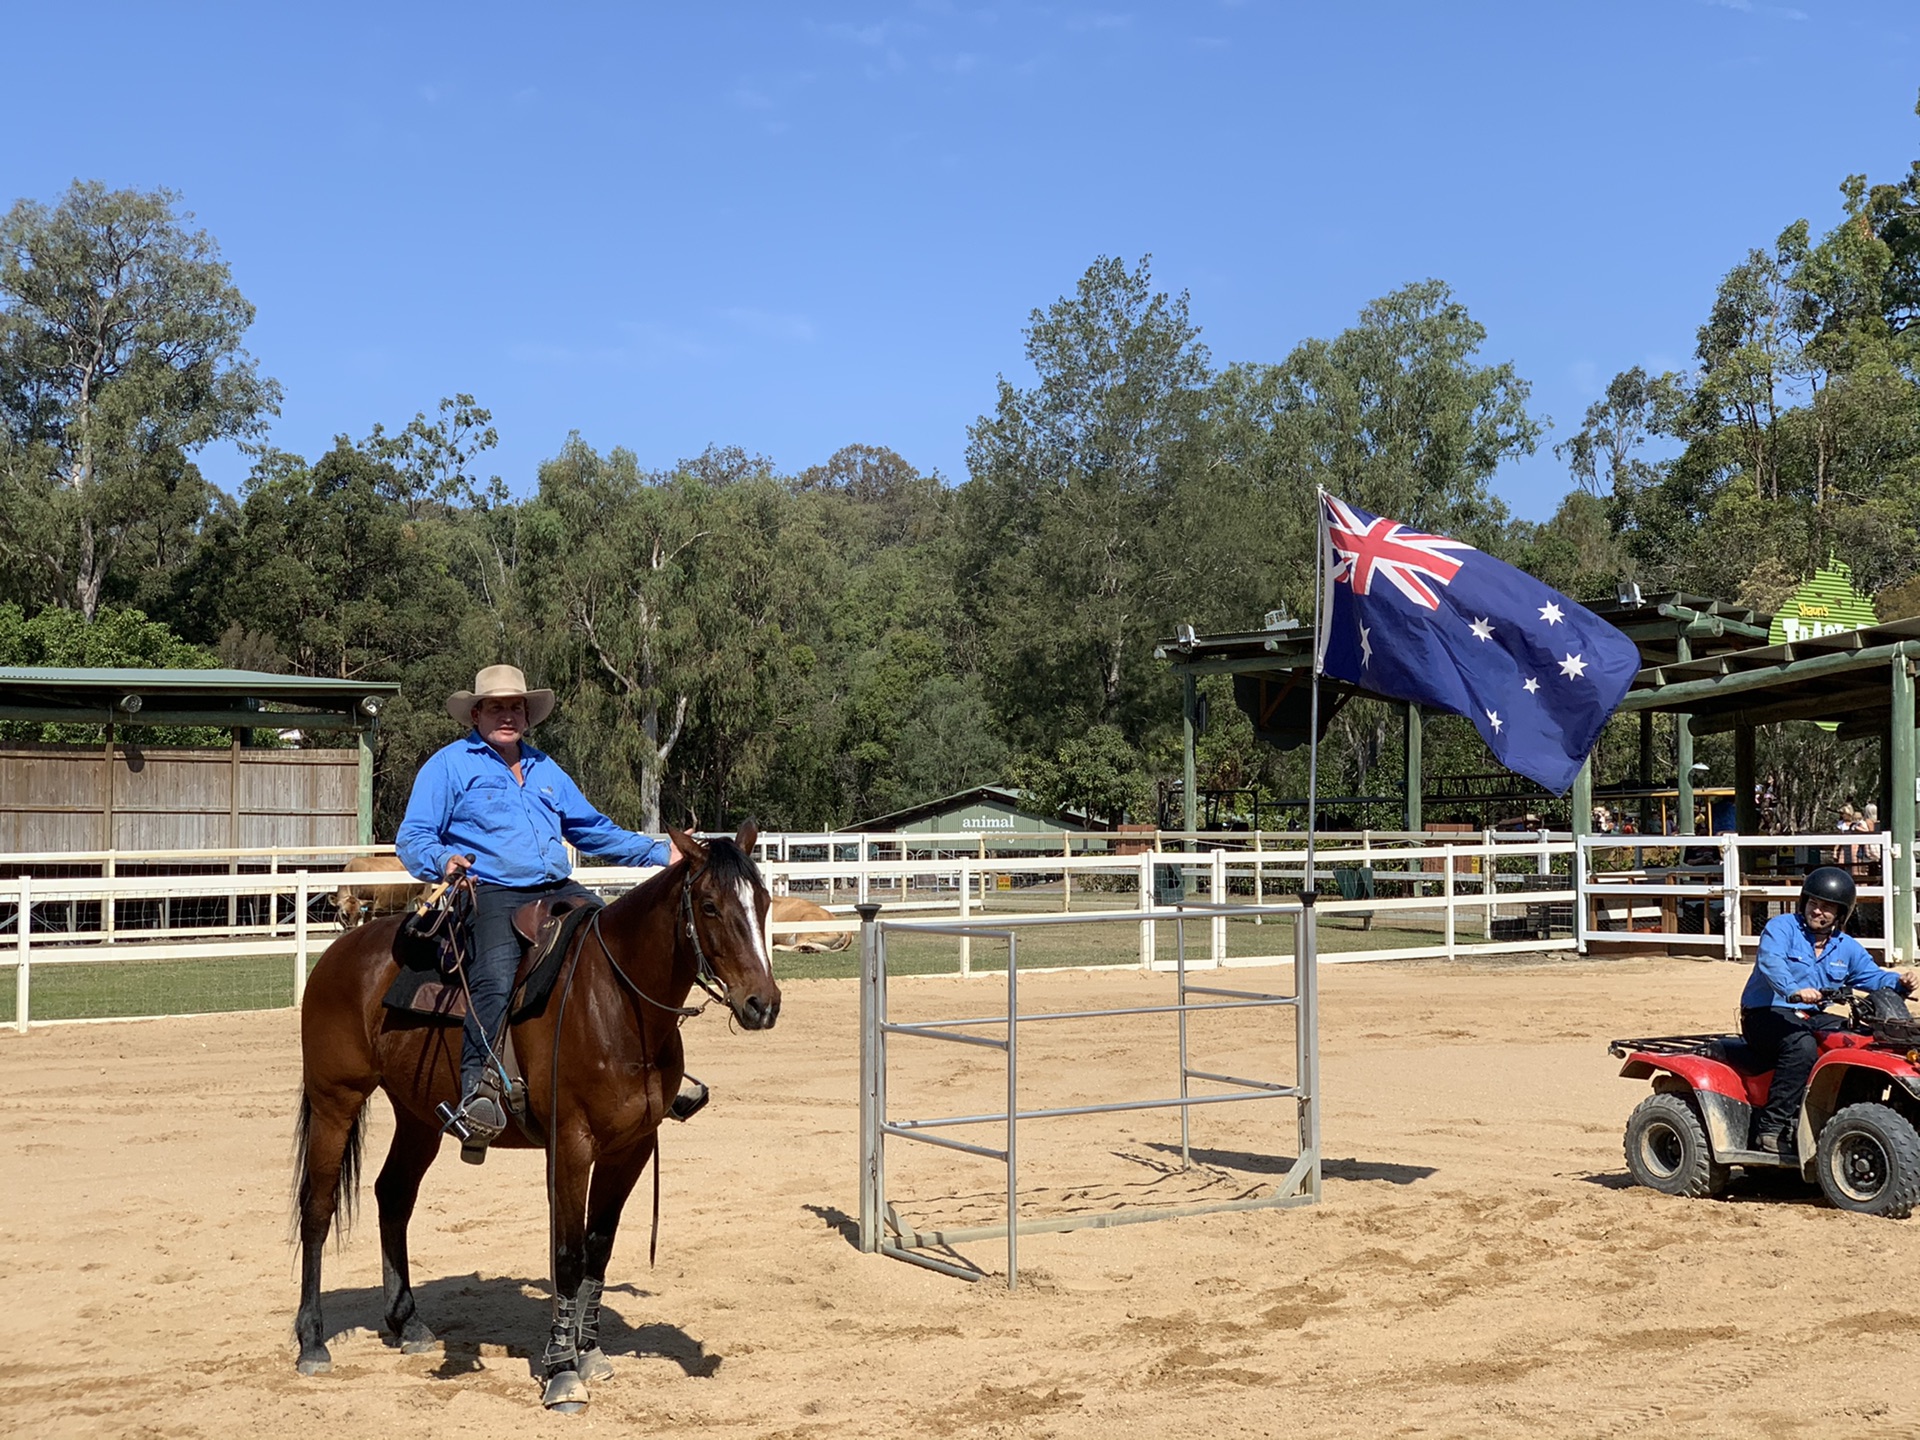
(1802, 957)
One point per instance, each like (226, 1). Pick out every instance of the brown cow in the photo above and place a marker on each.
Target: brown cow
(790, 908)
(357, 904)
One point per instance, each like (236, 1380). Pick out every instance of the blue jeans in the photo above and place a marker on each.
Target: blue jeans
(493, 957)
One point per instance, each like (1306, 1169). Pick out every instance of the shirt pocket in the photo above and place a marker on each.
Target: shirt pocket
(492, 806)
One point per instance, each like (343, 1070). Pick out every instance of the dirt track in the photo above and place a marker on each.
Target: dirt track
(1478, 1267)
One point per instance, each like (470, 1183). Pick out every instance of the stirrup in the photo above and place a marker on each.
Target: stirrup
(690, 1101)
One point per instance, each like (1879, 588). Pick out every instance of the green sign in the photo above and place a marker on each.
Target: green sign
(1826, 605)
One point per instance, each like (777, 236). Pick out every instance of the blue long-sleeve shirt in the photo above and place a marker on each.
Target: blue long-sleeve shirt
(1786, 963)
(465, 801)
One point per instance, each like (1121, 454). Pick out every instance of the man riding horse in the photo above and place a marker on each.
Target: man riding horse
(496, 808)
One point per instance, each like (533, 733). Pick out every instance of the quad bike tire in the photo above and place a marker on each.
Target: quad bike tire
(1667, 1148)
(1868, 1161)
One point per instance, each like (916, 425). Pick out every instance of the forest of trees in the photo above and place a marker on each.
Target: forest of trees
(824, 645)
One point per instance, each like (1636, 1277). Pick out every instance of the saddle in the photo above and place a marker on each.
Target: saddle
(428, 950)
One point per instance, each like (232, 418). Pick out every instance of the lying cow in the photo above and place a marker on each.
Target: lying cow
(357, 904)
(790, 908)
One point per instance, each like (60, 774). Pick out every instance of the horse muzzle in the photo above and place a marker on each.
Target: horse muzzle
(755, 1012)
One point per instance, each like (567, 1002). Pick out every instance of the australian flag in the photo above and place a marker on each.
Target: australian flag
(1432, 620)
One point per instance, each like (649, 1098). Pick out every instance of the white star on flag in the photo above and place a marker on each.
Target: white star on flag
(1573, 667)
(1482, 628)
(1366, 650)
(1531, 686)
(1493, 718)
(1551, 613)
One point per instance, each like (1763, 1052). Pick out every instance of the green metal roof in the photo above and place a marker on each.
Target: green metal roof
(231, 698)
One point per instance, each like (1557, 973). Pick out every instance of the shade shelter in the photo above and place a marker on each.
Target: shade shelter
(1861, 679)
(63, 781)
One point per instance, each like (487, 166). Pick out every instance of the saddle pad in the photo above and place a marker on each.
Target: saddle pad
(530, 995)
(426, 993)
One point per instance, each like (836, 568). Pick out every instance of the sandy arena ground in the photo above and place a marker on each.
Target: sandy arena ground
(1479, 1265)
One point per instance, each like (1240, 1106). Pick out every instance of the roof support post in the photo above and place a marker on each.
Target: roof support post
(1188, 807)
(1746, 813)
(363, 827)
(1683, 755)
(1413, 738)
(1646, 807)
(1900, 812)
(1581, 821)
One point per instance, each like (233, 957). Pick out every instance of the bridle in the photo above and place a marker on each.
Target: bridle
(704, 975)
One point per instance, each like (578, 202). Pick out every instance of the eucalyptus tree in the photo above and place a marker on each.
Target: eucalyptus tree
(120, 353)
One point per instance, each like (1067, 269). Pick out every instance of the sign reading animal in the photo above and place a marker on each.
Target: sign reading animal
(355, 904)
(792, 909)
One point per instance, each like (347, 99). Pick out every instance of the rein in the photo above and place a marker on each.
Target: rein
(704, 976)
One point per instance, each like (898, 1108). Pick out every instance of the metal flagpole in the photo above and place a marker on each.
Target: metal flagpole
(1308, 888)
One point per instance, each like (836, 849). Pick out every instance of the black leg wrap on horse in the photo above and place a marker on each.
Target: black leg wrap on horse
(562, 1352)
(587, 1326)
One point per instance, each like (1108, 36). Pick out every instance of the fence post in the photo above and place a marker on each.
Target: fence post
(300, 940)
(1219, 898)
(107, 905)
(1066, 873)
(1146, 907)
(23, 965)
(966, 909)
(1259, 880)
(1490, 860)
(1446, 896)
(1731, 919)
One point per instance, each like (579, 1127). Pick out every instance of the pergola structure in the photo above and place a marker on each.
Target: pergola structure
(1706, 662)
(1274, 666)
(231, 700)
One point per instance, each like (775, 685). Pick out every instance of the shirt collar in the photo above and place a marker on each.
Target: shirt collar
(528, 755)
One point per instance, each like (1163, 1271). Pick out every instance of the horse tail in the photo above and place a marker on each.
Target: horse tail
(346, 1183)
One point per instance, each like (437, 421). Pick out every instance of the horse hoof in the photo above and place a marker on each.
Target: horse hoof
(315, 1363)
(594, 1365)
(412, 1336)
(566, 1393)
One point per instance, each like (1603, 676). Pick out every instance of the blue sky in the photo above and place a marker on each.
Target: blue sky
(792, 227)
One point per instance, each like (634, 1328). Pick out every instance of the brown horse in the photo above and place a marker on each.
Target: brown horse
(602, 1063)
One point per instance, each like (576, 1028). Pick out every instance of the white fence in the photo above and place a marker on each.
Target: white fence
(111, 938)
(1721, 889)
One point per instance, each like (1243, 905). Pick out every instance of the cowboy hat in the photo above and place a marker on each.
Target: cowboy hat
(500, 682)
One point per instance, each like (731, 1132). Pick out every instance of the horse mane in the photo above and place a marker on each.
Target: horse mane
(725, 859)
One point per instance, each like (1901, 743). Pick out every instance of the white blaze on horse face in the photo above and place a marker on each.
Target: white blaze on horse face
(754, 927)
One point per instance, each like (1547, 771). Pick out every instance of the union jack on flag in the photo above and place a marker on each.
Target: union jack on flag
(1455, 629)
(1367, 547)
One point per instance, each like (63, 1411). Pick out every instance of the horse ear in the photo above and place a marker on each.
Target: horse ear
(749, 835)
(688, 846)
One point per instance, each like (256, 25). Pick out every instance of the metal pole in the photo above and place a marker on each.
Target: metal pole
(1013, 1108)
(1219, 897)
(300, 940)
(1306, 1030)
(1308, 882)
(869, 1090)
(1180, 990)
(23, 964)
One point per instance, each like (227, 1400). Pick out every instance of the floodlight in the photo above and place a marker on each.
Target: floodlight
(131, 704)
(1183, 636)
(1627, 592)
(373, 704)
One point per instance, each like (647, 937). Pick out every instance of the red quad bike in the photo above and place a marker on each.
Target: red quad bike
(1859, 1134)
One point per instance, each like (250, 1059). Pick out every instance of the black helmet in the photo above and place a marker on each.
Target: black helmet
(1832, 884)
